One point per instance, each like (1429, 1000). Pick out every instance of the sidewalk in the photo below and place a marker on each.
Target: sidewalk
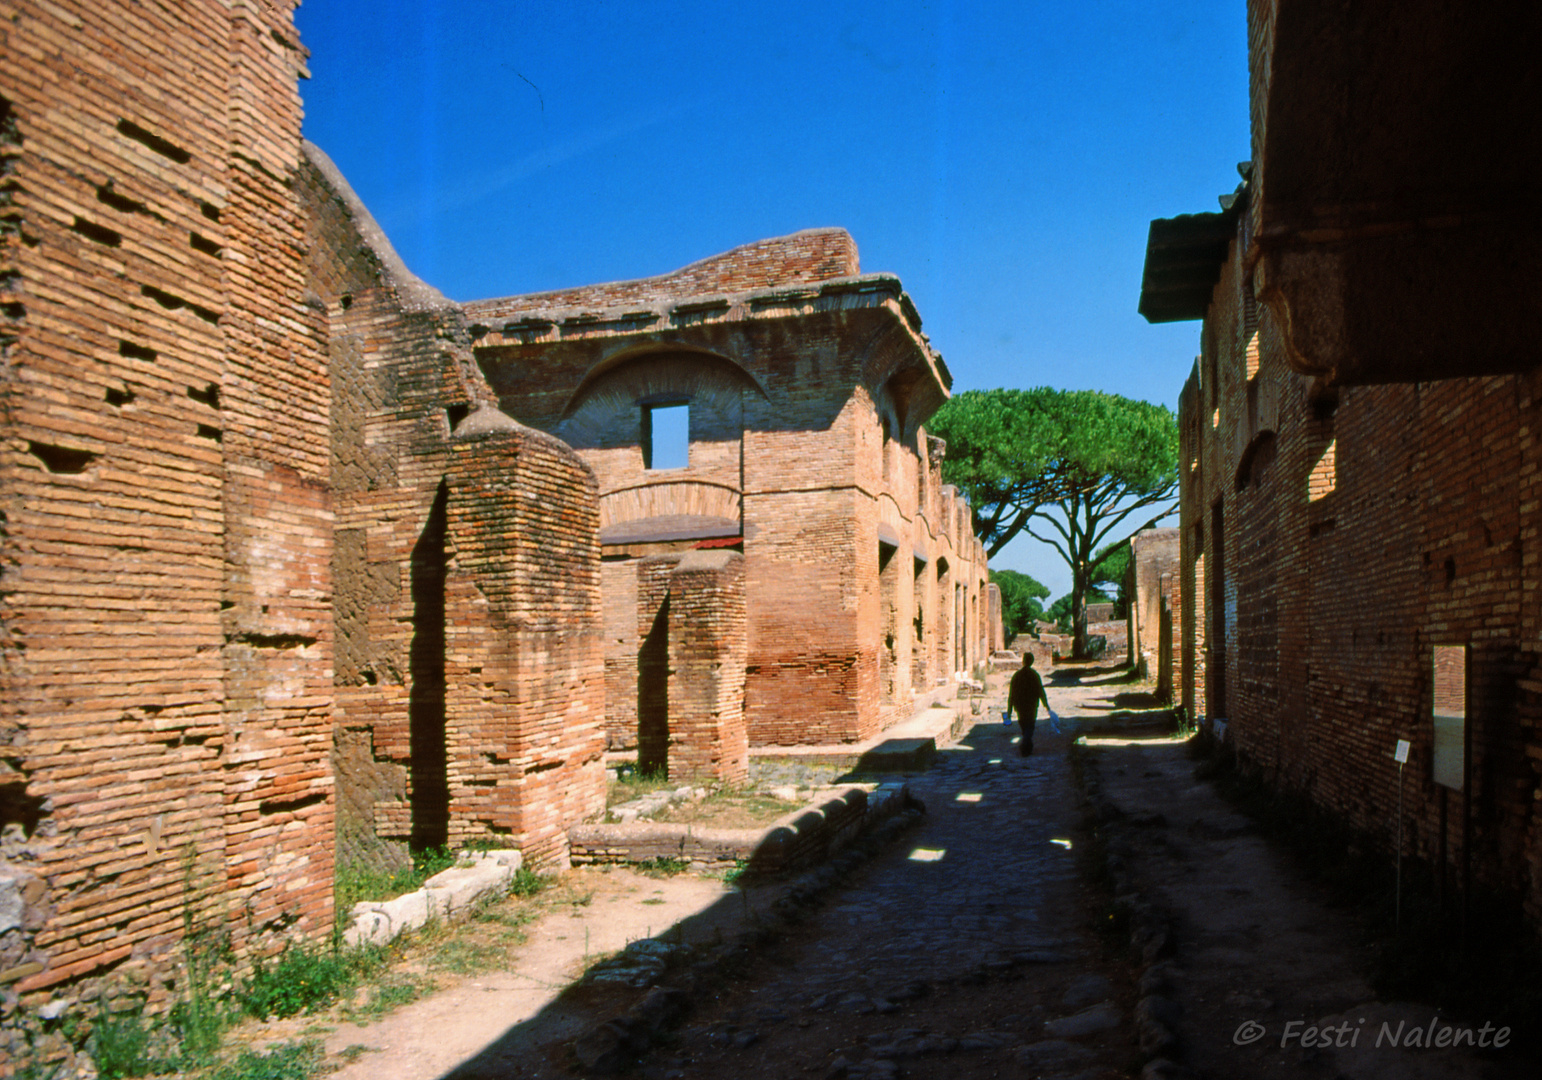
(1263, 966)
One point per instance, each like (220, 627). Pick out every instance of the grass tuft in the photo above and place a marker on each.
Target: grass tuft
(354, 884)
(285, 1061)
(302, 979)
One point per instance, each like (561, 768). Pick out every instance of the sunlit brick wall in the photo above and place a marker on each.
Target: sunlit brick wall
(165, 710)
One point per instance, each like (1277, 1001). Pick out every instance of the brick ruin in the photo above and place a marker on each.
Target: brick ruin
(282, 586)
(468, 675)
(1360, 471)
(800, 388)
(166, 632)
(1155, 609)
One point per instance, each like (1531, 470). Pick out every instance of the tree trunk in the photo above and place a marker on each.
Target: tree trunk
(1079, 611)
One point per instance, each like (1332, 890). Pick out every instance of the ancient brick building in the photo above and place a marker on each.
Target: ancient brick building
(1360, 468)
(768, 401)
(261, 522)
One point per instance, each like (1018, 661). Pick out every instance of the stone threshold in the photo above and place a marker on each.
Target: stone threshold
(804, 836)
(442, 896)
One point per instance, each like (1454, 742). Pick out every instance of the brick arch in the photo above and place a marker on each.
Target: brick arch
(892, 518)
(898, 376)
(684, 360)
(641, 502)
(598, 414)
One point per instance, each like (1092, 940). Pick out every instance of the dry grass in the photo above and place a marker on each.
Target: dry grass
(728, 809)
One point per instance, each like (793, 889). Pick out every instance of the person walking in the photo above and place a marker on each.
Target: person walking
(1023, 698)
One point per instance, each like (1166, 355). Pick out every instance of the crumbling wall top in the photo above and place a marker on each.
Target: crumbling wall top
(811, 255)
(415, 294)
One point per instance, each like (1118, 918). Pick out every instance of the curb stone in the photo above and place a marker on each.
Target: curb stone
(1151, 928)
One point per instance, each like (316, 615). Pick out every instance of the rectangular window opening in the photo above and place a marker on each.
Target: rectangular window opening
(667, 436)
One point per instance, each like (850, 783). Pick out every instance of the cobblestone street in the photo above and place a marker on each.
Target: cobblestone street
(948, 953)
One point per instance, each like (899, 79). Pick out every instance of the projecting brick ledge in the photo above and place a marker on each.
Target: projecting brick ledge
(807, 835)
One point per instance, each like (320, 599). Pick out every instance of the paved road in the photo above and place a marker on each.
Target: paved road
(947, 953)
(944, 955)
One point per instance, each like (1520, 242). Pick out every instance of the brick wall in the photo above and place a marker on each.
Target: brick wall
(810, 256)
(470, 682)
(1152, 579)
(707, 646)
(1169, 672)
(1357, 528)
(164, 473)
(623, 637)
(650, 685)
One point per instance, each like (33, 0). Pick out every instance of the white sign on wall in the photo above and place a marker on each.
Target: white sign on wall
(1449, 709)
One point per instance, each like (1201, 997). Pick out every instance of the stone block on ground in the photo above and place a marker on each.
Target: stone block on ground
(442, 896)
(1104, 1017)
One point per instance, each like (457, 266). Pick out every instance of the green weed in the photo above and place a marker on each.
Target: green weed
(503, 914)
(199, 1025)
(197, 1019)
(460, 956)
(736, 873)
(120, 1045)
(632, 783)
(354, 884)
(430, 861)
(285, 1061)
(662, 866)
(528, 883)
(300, 979)
(387, 997)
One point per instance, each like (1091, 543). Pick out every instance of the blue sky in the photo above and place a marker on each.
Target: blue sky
(1003, 159)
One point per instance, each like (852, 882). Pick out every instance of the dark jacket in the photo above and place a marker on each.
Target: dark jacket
(1026, 692)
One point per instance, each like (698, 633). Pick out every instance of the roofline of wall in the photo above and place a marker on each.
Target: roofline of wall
(652, 324)
(415, 294)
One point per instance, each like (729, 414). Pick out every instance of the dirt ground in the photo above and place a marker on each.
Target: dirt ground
(589, 915)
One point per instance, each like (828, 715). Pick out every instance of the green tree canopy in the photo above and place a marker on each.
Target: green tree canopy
(1068, 467)
(1006, 451)
(1020, 596)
